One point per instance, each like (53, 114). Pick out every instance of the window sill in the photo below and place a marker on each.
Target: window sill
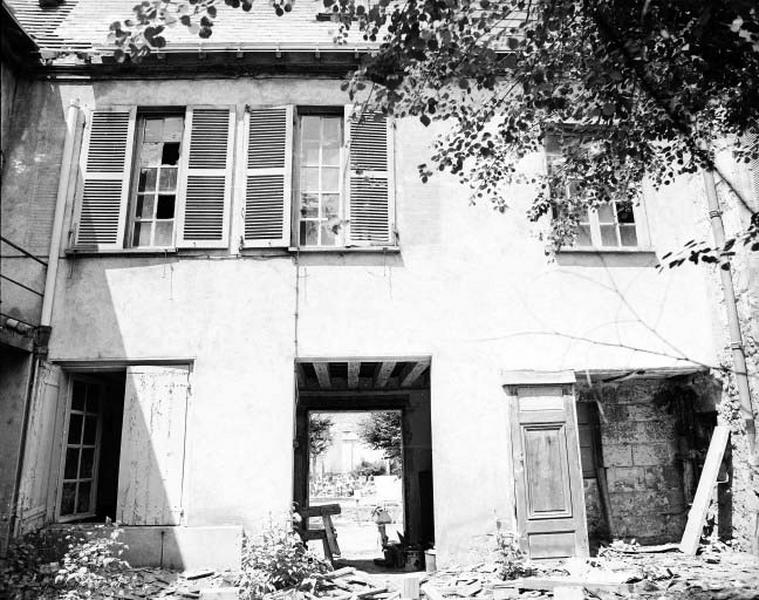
(594, 250)
(347, 250)
(121, 252)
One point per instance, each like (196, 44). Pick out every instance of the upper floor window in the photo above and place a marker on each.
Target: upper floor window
(308, 178)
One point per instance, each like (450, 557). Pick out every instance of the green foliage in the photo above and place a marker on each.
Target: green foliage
(382, 430)
(91, 566)
(512, 562)
(367, 468)
(276, 560)
(319, 434)
(630, 90)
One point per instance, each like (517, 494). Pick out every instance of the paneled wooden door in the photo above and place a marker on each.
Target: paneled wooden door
(548, 477)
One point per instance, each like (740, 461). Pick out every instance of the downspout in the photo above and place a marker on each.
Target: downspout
(736, 339)
(43, 333)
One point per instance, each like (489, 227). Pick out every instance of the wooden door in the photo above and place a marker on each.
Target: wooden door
(547, 473)
(151, 465)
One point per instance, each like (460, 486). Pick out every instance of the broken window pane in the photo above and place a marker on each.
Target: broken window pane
(75, 428)
(309, 205)
(329, 236)
(331, 205)
(83, 497)
(72, 463)
(625, 212)
(170, 154)
(165, 208)
(67, 498)
(164, 233)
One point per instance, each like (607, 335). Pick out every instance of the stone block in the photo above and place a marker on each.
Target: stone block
(652, 431)
(617, 455)
(652, 454)
(644, 412)
(625, 479)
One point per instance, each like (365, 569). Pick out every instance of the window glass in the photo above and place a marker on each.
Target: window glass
(154, 205)
(320, 180)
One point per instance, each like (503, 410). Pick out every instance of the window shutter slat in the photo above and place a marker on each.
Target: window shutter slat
(369, 183)
(106, 162)
(268, 146)
(206, 190)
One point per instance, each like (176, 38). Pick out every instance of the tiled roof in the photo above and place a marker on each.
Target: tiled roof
(82, 25)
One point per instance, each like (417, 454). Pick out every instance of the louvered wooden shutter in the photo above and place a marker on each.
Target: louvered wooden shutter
(369, 183)
(106, 162)
(268, 176)
(206, 187)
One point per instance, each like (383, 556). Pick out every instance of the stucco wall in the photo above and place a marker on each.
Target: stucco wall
(470, 287)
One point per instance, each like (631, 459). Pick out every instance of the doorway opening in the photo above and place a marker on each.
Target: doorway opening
(363, 461)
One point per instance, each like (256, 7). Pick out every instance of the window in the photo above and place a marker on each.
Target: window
(82, 452)
(159, 143)
(320, 180)
(609, 226)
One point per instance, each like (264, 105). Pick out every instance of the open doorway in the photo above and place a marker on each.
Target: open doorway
(356, 461)
(363, 461)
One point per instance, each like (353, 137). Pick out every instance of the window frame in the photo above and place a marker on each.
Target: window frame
(61, 480)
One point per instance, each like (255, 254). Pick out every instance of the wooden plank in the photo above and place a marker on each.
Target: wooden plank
(321, 510)
(353, 369)
(331, 536)
(322, 374)
(383, 373)
(410, 376)
(697, 513)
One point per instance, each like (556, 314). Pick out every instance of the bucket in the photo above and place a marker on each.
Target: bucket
(430, 561)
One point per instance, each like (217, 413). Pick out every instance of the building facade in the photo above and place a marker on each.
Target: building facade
(239, 246)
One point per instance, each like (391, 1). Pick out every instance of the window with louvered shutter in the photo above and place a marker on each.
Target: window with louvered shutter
(268, 174)
(369, 182)
(206, 187)
(106, 167)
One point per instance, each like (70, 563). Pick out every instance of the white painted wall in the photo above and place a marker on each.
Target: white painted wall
(470, 287)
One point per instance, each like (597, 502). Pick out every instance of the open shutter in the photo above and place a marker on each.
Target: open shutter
(106, 162)
(268, 176)
(369, 183)
(151, 464)
(207, 177)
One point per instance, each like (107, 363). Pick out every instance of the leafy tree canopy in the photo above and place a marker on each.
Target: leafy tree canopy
(630, 89)
(382, 431)
(319, 434)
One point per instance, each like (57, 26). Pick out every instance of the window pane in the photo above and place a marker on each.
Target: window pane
(147, 180)
(168, 181)
(77, 396)
(90, 429)
(331, 132)
(144, 208)
(605, 214)
(625, 212)
(331, 155)
(309, 205)
(72, 462)
(609, 235)
(87, 461)
(309, 233)
(583, 236)
(153, 130)
(330, 180)
(164, 233)
(67, 498)
(310, 128)
(310, 152)
(83, 497)
(172, 129)
(329, 235)
(330, 205)
(75, 429)
(142, 233)
(309, 179)
(151, 154)
(165, 208)
(170, 153)
(629, 235)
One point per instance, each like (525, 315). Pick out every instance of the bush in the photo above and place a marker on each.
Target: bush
(276, 560)
(511, 561)
(91, 566)
(367, 468)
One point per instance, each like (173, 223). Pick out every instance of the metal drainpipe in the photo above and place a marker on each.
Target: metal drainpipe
(72, 119)
(736, 338)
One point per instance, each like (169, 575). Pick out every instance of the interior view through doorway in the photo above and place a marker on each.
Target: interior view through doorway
(363, 461)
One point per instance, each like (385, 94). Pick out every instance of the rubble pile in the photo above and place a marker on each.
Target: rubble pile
(148, 582)
(343, 584)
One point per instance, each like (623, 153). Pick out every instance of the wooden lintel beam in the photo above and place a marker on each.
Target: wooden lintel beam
(410, 375)
(383, 373)
(322, 374)
(353, 368)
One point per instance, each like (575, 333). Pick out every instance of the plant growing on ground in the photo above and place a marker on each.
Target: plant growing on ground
(275, 560)
(511, 561)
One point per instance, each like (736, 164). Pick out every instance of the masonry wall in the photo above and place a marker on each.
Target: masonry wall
(470, 287)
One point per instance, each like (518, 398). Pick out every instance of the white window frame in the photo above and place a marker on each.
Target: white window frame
(641, 232)
(61, 518)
